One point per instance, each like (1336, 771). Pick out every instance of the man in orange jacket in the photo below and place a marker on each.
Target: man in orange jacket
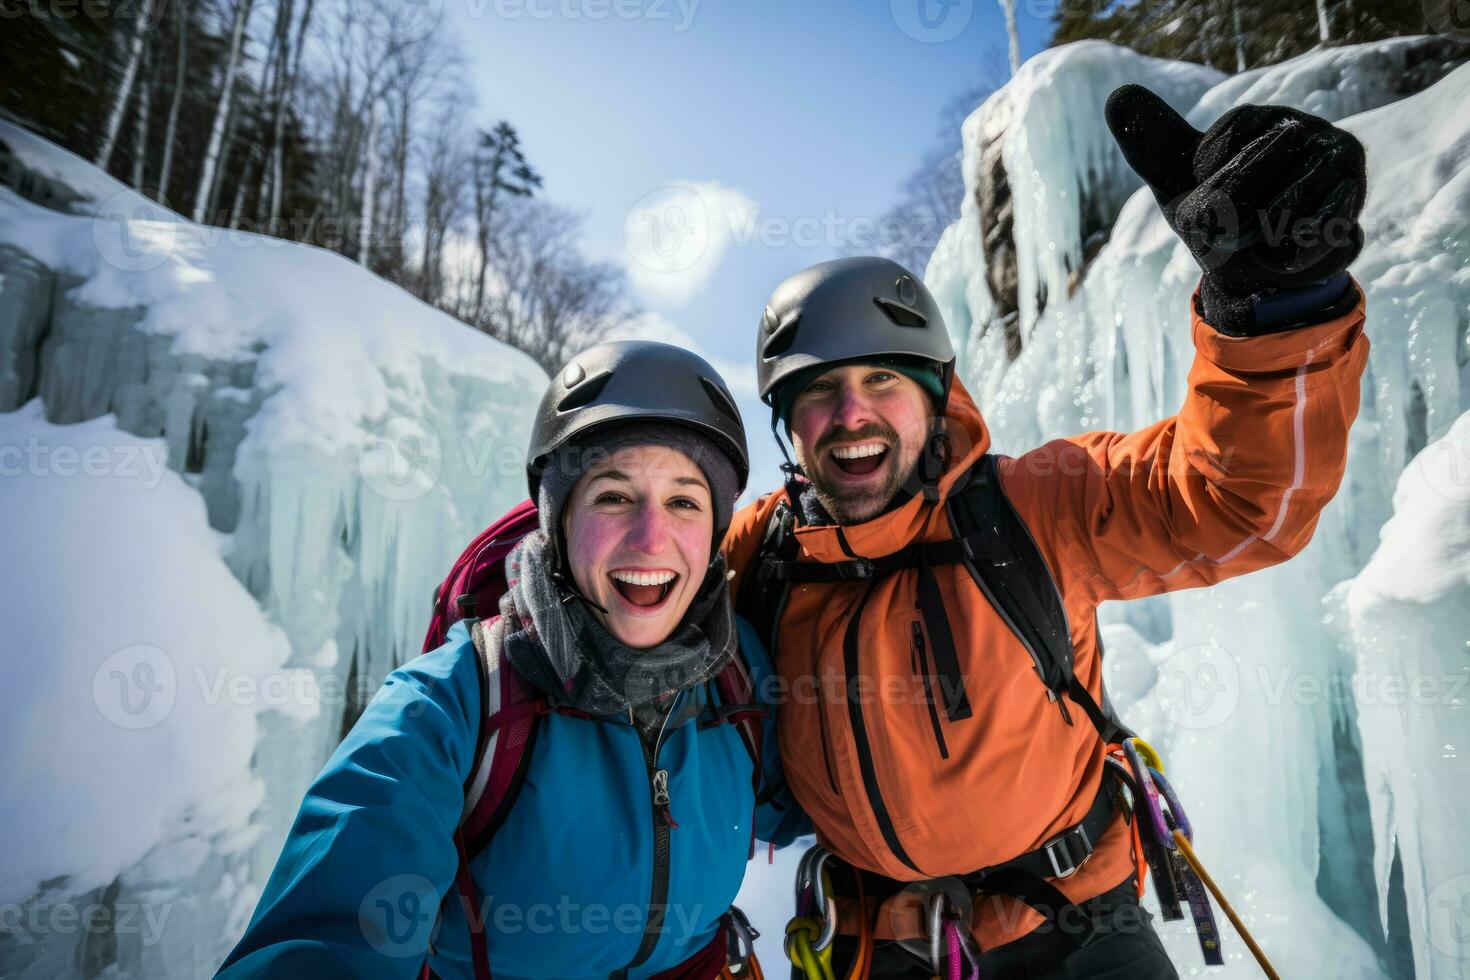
(945, 730)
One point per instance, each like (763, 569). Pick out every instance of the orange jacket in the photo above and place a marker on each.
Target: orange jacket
(1232, 483)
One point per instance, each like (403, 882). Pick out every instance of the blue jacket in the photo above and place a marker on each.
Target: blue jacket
(566, 882)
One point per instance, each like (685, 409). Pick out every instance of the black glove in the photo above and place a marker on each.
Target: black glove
(1267, 199)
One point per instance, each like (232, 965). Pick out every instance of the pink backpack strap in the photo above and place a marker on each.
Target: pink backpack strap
(741, 709)
(510, 708)
(509, 711)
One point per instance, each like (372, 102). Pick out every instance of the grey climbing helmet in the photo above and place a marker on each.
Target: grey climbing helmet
(631, 380)
(849, 310)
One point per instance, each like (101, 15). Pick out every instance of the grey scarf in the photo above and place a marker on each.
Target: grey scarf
(560, 648)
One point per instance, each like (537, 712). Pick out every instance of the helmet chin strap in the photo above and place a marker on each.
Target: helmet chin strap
(935, 455)
(794, 477)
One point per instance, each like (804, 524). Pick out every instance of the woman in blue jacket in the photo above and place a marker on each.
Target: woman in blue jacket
(626, 842)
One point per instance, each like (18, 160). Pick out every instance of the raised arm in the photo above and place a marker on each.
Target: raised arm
(1267, 201)
(357, 888)
(1232, 483)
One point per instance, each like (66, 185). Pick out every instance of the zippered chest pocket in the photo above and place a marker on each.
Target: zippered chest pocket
(924, 671)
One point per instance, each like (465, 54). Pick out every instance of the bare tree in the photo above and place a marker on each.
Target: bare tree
(181, 64)
(124, 90)
(369, 185)
(446, 165)
(546, 299)
(208, 176)
(140, 121)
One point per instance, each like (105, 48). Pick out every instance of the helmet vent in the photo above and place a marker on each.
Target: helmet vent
(781, 338)
(721, 399)
(904, 316)
(584, 392)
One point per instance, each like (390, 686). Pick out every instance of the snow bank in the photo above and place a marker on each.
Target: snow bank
(86, 190)
(125, 758)
(1303, 837)
(344, 441)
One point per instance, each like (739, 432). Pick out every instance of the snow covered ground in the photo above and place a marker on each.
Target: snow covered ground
(233, 468)
(315, 446)
(1314, 715)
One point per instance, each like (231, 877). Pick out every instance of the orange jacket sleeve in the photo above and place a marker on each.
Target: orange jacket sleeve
(1232, 483)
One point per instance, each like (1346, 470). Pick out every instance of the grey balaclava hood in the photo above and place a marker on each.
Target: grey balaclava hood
(568, 463)
(559, 647)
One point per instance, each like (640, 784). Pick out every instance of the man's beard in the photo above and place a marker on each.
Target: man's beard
(855, 505)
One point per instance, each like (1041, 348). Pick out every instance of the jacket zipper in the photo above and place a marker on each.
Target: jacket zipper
(921, 667)
(822, 726)
(860, 736)
(658, 784)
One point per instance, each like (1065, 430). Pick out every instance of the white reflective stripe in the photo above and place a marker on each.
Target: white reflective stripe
(1298, 432)
(491, 667)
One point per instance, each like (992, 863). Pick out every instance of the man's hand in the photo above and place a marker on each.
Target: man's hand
(1267, 200)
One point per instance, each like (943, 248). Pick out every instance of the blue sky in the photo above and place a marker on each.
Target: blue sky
(716, 146)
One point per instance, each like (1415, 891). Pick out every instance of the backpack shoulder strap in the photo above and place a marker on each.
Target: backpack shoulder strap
(1010, 570)
(737, 690)
(510, 711)
(762, 598)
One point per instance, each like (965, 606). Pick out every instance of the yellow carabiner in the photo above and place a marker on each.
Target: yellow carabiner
(800, 932)
(1147, 753)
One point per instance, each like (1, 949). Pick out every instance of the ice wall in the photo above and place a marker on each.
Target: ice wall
(1405, 621)
(345, 442)
(1291, 780)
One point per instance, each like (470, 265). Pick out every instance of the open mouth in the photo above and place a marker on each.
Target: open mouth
(646, 589)
(859, 459)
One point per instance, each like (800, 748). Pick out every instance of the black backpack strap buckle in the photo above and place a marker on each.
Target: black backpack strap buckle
(1068, 851)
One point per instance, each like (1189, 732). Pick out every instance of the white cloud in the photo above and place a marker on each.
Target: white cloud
(676, 235)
